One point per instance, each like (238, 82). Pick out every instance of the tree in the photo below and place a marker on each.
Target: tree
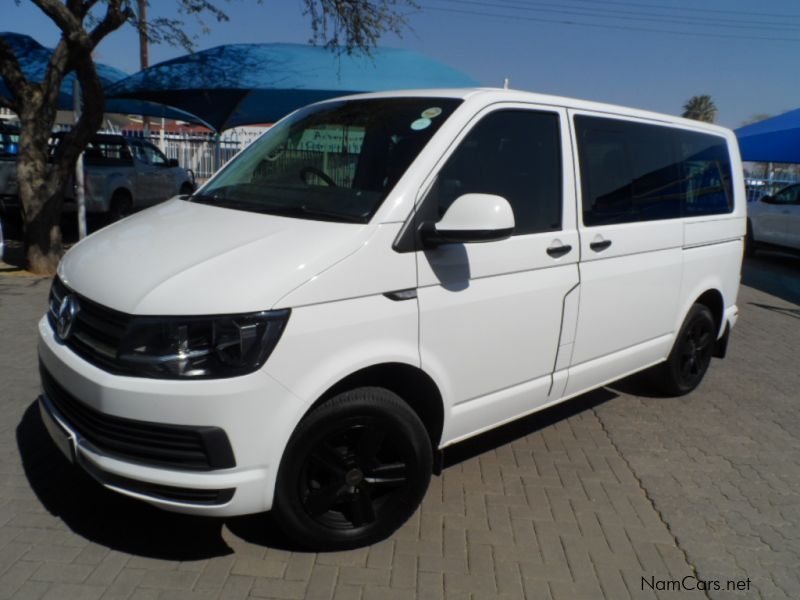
(346, 25)
(756, 118)
(700, 108)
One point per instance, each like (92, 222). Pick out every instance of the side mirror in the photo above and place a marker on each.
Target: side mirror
(768, 199)
(471, 218)
(172, 162)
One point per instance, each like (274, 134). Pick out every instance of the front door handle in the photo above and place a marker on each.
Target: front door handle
(600, 246)
(557, 251)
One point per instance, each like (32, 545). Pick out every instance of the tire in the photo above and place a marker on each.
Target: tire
(121, 205)
(355, 469)
(691, 354)
(749, 241)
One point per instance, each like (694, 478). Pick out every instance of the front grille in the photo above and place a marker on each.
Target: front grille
(162, 492)
(97, 331)
(179, 446)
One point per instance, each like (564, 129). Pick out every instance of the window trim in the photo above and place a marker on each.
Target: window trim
(407, 239)
(575, 112)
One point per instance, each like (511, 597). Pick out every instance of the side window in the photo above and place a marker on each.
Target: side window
(511, 153)
(629, 171)
(154, 155)
(638, 172)
(790, 195)
(707, 172)
(138, 151)
(106, 152)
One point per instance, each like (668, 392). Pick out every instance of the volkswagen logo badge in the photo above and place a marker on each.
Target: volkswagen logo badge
(65, 318)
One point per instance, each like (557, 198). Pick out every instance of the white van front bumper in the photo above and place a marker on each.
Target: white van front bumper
(95, 416)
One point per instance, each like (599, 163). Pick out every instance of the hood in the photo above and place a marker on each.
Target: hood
(181, 258)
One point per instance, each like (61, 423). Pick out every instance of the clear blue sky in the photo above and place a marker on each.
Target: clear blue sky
(744, 53)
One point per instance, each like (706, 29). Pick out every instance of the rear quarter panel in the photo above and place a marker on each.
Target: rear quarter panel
(713, 246)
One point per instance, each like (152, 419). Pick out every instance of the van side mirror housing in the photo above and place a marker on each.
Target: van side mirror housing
(471, 218)
(172, 162)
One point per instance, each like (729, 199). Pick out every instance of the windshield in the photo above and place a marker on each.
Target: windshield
(336, 161)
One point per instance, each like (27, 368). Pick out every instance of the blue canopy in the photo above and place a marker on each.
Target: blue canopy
(241, 84)
(772, 140)
(34, 58)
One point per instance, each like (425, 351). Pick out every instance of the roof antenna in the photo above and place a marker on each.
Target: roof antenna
(505, 83)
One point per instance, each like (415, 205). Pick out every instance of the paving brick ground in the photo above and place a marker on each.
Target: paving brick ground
(580, 502)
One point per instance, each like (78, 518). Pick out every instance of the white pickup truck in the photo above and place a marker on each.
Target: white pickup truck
(122, 175)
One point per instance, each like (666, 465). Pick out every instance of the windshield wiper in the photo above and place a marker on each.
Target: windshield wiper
(275, 209)
(309, 211)
(224, 202)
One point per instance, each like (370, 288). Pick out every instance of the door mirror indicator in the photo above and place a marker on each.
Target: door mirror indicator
(471, 218)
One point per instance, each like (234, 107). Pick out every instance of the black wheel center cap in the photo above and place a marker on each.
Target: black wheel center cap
(353, 477)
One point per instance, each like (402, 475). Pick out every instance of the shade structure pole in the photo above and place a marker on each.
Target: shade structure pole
(217, 153)
(80, 190)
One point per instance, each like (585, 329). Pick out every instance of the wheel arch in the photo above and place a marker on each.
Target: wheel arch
(121, 189)
(714, 301)
(186, 185)
(413, 385)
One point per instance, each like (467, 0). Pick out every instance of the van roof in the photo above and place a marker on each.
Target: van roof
(492, 95)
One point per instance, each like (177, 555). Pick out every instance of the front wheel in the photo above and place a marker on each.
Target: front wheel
(690, 357)
(355, 469)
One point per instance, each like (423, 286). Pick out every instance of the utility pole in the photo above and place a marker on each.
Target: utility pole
(144, 51)
(80, 181)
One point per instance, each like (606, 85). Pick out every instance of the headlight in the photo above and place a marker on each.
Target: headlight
(200, 347)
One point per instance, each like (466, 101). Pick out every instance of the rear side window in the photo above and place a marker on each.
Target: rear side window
(511, 153)
(639, 172)
(104, 152)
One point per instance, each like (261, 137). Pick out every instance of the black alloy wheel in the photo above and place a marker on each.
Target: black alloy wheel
(691, 354)
(696, 350)
(355, 469)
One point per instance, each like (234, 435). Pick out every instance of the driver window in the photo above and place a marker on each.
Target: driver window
(515, 154)
(788, 196)
(138, 152)
(154, 155)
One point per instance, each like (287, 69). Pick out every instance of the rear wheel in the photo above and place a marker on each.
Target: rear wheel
(690, 357)
(355, 469)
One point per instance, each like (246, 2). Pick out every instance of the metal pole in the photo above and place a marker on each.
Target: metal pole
(80, 190)
(144, 52)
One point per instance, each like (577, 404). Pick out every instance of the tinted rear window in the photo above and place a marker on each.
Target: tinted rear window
(641, 172)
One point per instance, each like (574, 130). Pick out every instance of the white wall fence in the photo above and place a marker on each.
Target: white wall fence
(202, 153)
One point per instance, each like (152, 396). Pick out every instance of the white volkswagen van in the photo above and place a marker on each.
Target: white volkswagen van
(377, 278)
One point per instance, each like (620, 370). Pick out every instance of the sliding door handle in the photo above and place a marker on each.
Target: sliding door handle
(558, 251)
(600, 246)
